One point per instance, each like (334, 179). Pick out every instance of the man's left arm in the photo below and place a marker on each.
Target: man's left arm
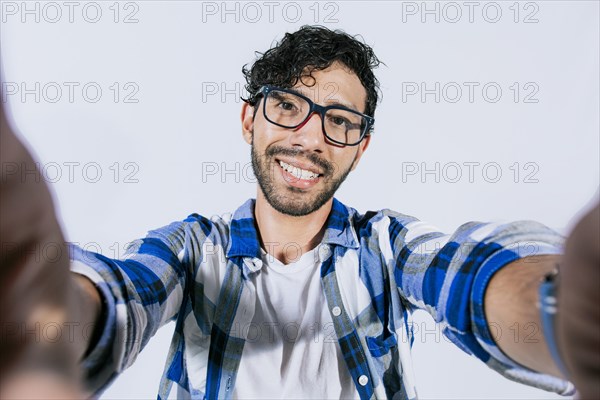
(481, 284)
(511, 304)
(511, 309)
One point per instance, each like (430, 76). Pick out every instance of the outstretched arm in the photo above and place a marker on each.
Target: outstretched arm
(511, 303)
(449, 276)
(37, 289)
(104, 310)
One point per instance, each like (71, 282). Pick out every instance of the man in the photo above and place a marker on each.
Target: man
(296, 294)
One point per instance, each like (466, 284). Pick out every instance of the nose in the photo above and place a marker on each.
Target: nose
(309, 135)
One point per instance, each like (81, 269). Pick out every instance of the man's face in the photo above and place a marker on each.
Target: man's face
(299, 170)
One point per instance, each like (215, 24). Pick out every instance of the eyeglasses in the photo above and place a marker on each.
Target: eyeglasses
(289, 109)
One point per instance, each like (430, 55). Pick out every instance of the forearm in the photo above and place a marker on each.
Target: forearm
(86, 314)
(513, 315)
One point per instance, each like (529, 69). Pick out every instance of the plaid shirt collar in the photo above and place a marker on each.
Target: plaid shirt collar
(243, 237)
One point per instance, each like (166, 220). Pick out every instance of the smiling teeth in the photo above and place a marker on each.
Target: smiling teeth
(297, 172)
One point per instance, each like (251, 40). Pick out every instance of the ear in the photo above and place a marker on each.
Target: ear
(247, 117)
(362, 147)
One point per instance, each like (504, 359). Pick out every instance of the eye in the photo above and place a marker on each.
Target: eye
(287, 106)
(339, 121)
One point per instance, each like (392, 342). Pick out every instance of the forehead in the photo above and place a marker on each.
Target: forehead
(336, 84)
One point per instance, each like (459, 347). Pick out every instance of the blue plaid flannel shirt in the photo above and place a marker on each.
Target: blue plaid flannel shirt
(378, 268)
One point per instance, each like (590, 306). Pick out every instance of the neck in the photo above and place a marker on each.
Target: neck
(286, 237)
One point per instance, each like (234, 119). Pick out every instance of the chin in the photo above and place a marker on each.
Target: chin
(292, 205)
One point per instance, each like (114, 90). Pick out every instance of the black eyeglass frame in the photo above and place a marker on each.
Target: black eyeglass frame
(321, 110)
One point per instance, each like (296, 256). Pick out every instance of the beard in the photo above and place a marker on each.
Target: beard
(290, 200)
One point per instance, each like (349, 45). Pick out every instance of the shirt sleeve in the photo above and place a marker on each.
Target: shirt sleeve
(447, 276)
(141, 292)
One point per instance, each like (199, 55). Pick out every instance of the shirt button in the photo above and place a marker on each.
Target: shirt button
(336, 311)
(324, 252)
(363, 380)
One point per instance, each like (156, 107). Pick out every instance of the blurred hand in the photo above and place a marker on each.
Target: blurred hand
(35, 281)
(578, 318)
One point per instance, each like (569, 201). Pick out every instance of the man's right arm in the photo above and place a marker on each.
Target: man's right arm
(36, 289)
(106, 309)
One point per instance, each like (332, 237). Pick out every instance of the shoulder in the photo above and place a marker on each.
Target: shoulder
(378, 219)
(194, 229)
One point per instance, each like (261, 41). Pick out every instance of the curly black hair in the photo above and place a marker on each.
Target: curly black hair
(308, 49)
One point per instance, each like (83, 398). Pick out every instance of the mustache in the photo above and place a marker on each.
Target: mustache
(325, 165)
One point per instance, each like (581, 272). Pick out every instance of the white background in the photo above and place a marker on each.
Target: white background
(177, 53)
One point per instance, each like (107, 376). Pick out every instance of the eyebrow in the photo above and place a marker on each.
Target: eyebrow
(344, 104)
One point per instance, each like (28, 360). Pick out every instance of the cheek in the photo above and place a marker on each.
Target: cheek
(266, 134)
(343, 160)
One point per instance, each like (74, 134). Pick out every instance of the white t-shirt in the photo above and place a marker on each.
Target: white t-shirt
(291, 351)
